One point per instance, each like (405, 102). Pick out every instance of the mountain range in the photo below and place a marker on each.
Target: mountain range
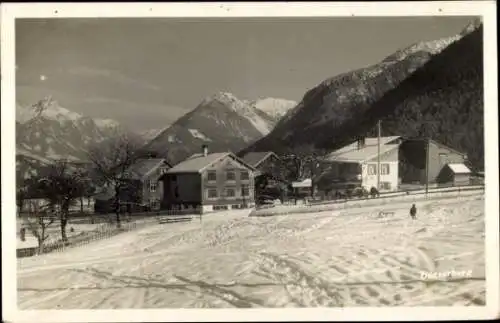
(50, 131)
(46, 131)
(221, 121)
(331, 114)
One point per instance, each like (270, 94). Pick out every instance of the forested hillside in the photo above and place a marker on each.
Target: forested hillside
(443, 100)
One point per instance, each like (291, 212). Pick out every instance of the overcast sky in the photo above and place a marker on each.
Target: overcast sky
(147, 72)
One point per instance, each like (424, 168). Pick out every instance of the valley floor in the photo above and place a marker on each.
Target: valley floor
(342, 258)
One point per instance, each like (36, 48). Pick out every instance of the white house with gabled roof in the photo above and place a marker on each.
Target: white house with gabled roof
(357, 163)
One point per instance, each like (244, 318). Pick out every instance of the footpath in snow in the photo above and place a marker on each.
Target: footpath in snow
(348, 257)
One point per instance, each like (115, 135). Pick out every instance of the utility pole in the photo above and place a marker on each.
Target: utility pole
(378, 154)
(427, 165)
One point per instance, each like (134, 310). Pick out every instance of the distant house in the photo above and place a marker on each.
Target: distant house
(262, 161)
(267, 184)
(454, 174)
(210, 181)
(356, 164)
(145, 190)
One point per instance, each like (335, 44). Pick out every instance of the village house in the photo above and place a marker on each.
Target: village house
(145, 189)
(267, 184)
(209, 182)
(356, 164)
(402, 161)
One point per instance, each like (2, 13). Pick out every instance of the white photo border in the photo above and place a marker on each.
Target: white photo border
(485, 9)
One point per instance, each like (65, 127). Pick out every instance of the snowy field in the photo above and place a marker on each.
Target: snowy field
(348, 257)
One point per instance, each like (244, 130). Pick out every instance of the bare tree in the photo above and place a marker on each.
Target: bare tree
(61, 186)
(37, 221)
(110, 162)
(304, 162)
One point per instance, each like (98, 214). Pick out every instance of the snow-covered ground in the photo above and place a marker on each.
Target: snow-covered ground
(347, 257)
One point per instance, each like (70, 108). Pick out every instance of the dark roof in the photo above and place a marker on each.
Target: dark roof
(198, 162)
(257, 157)
(143, 166)
(434, 142)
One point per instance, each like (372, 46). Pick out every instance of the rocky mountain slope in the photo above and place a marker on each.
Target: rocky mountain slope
(46, 132)
(276, 108)
(150, 134)
(345, 97)
(49, 130)
(443, 100)
(221, 121)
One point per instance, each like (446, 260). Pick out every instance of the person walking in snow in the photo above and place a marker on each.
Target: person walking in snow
(413, 212)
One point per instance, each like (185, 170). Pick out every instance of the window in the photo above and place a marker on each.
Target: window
(212, 193)
(152, 186)
(244, 175)
(372, 169)
(173, 178)
(230, 192)
(154, 204)
(384, 169)
(245, 191)
(212, 176)
(176, 192)
(230, 176)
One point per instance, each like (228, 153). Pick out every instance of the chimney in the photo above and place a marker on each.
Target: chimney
(361, 142)
(205, 150)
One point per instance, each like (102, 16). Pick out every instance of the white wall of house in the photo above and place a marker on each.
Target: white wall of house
(388, 176)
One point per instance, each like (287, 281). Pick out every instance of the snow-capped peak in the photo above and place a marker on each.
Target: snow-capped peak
(243, 108)
(473, 25)
(106, 123)
(275, 107)
(150, 134)
(226, 98)
(48, 108)
(432, 47)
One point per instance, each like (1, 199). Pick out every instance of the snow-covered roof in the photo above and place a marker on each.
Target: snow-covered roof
(351, 152)
(198, 162)
(143, 166)
(255, 158)
(459, 169)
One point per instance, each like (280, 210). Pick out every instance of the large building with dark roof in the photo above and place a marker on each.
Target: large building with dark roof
(209, 182)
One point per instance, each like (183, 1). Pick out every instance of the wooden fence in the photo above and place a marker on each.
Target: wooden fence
(105, 229)
(326, 205)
